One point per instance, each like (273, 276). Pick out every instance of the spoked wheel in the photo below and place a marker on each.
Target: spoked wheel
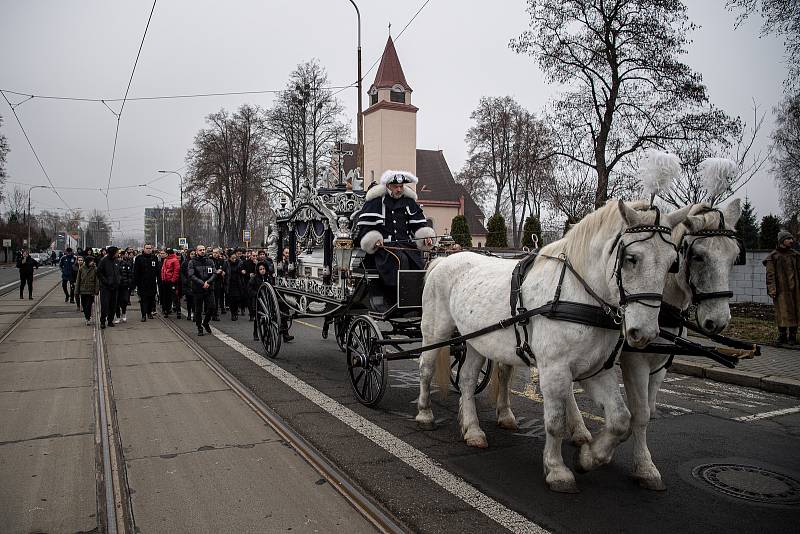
(340, 327)
(458, 354)
(365, 362)
(268, 315)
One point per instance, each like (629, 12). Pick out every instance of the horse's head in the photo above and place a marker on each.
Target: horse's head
(709, 249)
(639, 260)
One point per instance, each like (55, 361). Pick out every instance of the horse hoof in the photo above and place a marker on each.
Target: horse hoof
(563, 486)
(508, 424)
(579, 461)
(477, 441)
(652, 484)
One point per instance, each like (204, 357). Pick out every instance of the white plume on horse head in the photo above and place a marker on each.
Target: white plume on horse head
(658, 169)
(717, 175)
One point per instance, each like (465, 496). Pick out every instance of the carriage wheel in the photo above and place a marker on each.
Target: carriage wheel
(268, 315)
(365, 362)
(340, 327)
(459, 355)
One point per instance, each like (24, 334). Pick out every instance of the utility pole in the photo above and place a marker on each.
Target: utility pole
(360, 118)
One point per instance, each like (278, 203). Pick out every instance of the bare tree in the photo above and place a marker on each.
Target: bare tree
(786, 159)
(629, 88)
(98, 229)
(571, 189)
(16, 203)
(782, 18)
(304, 123)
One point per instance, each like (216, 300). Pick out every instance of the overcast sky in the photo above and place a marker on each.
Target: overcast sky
(453, 53)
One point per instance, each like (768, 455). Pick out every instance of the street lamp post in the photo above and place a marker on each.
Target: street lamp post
(163, 226)
(183, 233)
(29, 209)
(360, 119)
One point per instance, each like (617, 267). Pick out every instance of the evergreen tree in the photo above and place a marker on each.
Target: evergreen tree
(497, 237)
(532, 227)
(768, 235)
(747, 226)
(42, 241)
(459, 230)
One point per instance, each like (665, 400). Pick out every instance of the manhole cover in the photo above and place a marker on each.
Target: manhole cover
(750, 482)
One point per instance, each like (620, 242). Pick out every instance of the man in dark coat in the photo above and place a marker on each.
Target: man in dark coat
(26, 265)
(220, 305)
(783, 286)
(145, 275)
(125, 263)
(392, 218)
(109, 276)
(202, 273)
(67, 282)
(236, 278)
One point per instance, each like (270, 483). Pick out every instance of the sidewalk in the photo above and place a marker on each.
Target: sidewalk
(197, 458)
(777, 370)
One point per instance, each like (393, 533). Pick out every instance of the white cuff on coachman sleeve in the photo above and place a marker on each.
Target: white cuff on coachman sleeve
(369, 241)
(422, 233)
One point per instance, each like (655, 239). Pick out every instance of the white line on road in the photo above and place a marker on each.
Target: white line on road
(413, 457)
(767, 415)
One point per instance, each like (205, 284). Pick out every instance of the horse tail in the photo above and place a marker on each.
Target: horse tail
(442, 371)
(494, 384)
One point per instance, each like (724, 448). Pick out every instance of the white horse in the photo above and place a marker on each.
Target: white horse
(707, 263)
(470, 291)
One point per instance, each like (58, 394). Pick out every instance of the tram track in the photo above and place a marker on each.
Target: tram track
(381, 519)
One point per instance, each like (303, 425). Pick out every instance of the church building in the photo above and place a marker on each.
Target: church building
(390, 142)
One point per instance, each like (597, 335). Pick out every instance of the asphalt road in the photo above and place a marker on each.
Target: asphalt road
(697, 423)
(9, 277)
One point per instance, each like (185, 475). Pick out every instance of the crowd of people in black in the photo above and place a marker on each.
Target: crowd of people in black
(212, 283)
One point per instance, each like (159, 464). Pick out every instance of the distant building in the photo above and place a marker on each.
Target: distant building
(390, 142)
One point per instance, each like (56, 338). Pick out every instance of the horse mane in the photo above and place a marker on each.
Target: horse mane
(603, 223)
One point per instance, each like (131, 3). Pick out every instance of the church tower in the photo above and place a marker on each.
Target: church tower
(390, 121)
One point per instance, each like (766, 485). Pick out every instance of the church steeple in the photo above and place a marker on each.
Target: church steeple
(390, 72)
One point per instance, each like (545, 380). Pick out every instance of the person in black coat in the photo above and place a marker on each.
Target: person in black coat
(109, 276)
(253, 286)
(146, 270)
(26, 265)
(235, 285)
(202, 273)
(220, 306)
(186, 285)
(125, 263)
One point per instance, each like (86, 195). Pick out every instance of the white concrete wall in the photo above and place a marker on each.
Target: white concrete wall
(749, 282)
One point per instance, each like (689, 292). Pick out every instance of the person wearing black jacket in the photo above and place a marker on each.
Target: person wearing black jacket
(235, 285)
(146, 270)
(26, 265)
(186, 285)
(109, 276)
(125, 284)
(202, 273)
(253, 286)
(219, 284)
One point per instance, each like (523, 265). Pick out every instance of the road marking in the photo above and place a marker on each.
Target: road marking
(309, 324)
(767, 415)
(413, 457)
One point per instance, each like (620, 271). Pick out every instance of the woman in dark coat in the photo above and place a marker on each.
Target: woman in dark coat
(125, 286)
(186, 285)
(235, 285)
(26, 265)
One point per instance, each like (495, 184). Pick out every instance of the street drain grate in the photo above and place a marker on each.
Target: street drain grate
(750, 483)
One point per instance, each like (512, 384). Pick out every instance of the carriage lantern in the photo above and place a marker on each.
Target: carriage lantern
(343, 245)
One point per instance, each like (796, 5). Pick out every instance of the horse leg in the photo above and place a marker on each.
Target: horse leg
(505, 417)
(427, 363)
(556, 385)
(575, 425)
(604, 390)
(636, 375)
(467, 414)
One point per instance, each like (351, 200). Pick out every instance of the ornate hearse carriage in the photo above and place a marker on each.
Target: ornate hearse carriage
(321, 273)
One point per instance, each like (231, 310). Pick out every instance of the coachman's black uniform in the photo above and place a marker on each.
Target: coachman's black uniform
(202, 270)
(398, 221)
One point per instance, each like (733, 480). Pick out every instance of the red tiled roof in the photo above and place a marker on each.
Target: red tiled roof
(390, 72)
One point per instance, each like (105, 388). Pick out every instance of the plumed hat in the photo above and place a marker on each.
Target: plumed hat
(398, 177)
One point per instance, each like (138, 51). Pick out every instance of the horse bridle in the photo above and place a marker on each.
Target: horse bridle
(654, 229)
(685, 249)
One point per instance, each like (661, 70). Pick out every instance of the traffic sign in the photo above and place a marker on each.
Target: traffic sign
(6, 242)
(246, 235)
(183, 242)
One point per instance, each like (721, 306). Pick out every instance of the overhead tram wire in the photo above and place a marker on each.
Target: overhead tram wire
(127, 90)
(379, 57)
(35, 154)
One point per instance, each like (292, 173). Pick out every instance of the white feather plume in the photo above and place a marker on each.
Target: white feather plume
(658, 169)
(717, 174)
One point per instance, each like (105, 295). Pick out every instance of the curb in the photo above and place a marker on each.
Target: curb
(771, 383)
